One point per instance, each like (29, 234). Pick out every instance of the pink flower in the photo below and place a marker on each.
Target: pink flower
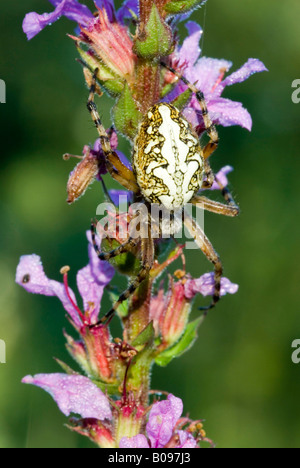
(91, 282)
(162, 428)
(73, 394)
(208, 75)
(75, 11)
(205, 286)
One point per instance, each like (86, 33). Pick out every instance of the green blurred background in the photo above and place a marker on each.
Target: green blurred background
(239, 376)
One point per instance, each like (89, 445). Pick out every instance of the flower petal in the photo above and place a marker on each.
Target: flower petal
(109, 6)
(90, 291)
(248, 69)
(31, 276)
(187, 440)
(138, 441)
(206, 72)
(118, 195)
(126, 10)
(205, 286)
(227, 113)
(162, 419)
(222, 177)
(102, 271)
(73, 394)
(34, 23)
(91, 281)
(190, 49)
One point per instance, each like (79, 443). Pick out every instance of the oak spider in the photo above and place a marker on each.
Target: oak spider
(169, 169)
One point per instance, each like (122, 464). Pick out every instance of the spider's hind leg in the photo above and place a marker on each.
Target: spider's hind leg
(205, 245)
(147, 254)
(128, 245)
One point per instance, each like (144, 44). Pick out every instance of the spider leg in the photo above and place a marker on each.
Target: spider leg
(215, 207)
(128, 245)
(147, 253)
(210, 128)
(113, 163)
(228, 197)
(205, 245)
(231, 209)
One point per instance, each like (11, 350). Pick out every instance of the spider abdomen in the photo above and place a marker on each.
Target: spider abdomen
(167, 158)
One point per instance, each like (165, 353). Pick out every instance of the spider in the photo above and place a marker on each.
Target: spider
(169, 169)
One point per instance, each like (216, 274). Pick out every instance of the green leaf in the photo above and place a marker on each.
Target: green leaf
(145, 336)
(123, 308)
(185, 343)
(156, 39)
(177, 7)
(126, 263)
(110, 82)
(68, 370)
(111, 389)
(126, 114)
(182, 100)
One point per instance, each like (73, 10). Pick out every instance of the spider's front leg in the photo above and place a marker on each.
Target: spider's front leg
(205, 245)
(230, 209)
(113, 163)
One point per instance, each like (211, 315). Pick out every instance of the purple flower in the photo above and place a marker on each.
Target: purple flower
(138, 441)
(34, 23)
(117, 195)
(222, 177)
(205, 286)
(162, 420)
(73, 10)
(208, 75)
(74, 394)
(126, 10)
(162, 427)
(91, 282)
(98, 153)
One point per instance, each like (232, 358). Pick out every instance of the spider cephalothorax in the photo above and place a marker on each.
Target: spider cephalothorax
(170, 167)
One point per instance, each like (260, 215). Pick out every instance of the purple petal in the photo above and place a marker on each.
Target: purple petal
(92, 280)
(116, 195)
(205, 285)
(222, 177)
(187, 440)
(31, 276)
(74, 394)
(126, 10)
(226, 112)
(109, 6)
(34, 23)
(247, 70)
(206, 72)
(138, 441)
(190, 49)
(102, 272)
(90, 291)
(162, 419)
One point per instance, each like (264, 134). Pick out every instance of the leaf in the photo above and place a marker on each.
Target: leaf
(156, 40)
(126, 114)
(123, 308)
(185, 343)
(177, 7)
(145, 336)
(68, 370)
